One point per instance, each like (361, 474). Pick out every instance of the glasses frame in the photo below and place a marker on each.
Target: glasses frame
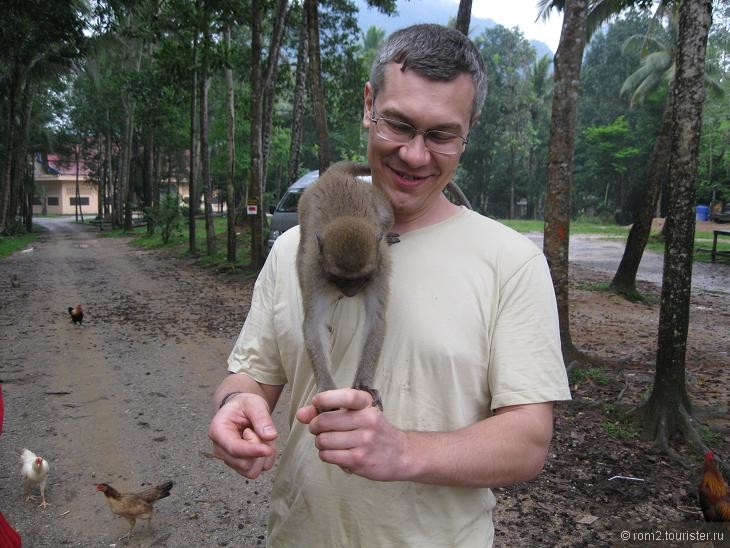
(414, 131)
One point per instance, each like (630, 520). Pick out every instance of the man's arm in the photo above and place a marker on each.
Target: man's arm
(242, 429)
(240, 382)
(507, 448)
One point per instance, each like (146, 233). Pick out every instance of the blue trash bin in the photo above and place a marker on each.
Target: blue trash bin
(703, 213)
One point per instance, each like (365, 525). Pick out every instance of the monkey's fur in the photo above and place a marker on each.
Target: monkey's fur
(344, 228)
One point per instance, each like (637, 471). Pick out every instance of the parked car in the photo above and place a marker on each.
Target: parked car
(284, 214)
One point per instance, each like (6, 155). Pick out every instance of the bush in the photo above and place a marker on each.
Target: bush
(166, 216)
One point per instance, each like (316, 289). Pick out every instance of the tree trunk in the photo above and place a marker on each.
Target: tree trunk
(231, 171)
(31, 194)
(255, 192)
(204, 152)
(149, 162)
(463, 17)
(668, 409)
(21, 153)
(315, 78)
(192, 191)
(560, 159)
(15, 85)
(624, 281)
(126, 189)
(109, 172)
(300, 95)
(77, 206)
(268, 87)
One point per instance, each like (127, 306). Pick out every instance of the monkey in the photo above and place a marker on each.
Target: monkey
(345, 230)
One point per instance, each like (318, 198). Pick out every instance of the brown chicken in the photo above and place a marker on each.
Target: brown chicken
(714, 496)
(133, 506)
(77, 314)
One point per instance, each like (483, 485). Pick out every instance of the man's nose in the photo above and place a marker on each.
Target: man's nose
(415, 151)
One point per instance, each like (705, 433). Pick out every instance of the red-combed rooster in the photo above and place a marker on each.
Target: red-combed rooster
(714, 496)
(77, 314)
(133, 506)
(35, 472)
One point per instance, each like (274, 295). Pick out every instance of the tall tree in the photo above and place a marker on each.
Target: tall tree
(656, 69)
(204, 85)
(315, 81)
(300, 96)
(260, 79)
(560, 159)
(668, 409)
(463, 17)
(231, 149)
(33, 32)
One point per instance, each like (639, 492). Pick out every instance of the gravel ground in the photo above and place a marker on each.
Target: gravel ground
(124, 399)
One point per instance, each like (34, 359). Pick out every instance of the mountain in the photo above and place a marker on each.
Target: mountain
(428, 11)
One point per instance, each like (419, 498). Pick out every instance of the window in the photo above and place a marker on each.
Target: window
(37, 201)
(84, 200)
(53, 200)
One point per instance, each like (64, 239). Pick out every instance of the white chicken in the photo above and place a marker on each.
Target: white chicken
(35, 473)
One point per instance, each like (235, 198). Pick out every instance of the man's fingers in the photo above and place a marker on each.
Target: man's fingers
(256, 412)
(343, 398)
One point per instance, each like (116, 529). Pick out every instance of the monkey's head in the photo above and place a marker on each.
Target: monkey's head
(349, 249)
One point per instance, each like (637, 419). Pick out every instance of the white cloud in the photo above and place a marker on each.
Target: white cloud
(521, 14)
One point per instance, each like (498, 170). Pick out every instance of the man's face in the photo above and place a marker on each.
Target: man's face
(411, 176)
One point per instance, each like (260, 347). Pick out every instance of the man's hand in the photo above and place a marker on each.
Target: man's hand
(356, 436)
(243, 434)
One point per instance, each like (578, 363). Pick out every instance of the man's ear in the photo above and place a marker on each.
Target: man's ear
(474, 120)
(368, 105)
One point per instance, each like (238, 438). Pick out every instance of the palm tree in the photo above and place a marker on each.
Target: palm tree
(668, 409)
(580, 19)
(657, 68)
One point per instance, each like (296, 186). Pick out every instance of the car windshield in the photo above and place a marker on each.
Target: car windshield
(288, 203)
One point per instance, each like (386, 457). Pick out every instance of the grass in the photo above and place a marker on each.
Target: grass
(577, 227)
(594, 374)
(703, 239)
(178, 243)
(11, 244)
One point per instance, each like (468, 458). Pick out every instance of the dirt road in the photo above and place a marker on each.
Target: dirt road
(123, 399)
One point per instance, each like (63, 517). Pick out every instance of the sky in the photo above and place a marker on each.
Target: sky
(522, 14)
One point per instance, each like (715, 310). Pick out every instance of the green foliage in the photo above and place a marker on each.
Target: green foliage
(166, 216)
(11, 244)
(594, 374)
(709, 436)
(618, 430)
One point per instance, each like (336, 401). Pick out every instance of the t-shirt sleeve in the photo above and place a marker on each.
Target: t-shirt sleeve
(256, 351)
(526, 363)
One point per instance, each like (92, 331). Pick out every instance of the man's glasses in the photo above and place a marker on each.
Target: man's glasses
(395, 131)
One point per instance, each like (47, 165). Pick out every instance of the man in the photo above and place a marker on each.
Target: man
(471, 361)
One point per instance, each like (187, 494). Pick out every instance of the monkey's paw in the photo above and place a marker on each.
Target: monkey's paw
(377, 401)
(392, 238)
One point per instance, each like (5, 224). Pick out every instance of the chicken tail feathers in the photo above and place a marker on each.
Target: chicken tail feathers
(156, 493)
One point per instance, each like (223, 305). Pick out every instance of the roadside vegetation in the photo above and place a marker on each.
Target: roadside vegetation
(11, 244)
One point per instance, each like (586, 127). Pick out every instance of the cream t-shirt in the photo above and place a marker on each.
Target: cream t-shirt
(471, 326)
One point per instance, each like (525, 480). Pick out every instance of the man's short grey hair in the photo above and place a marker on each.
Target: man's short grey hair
(435, 52)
